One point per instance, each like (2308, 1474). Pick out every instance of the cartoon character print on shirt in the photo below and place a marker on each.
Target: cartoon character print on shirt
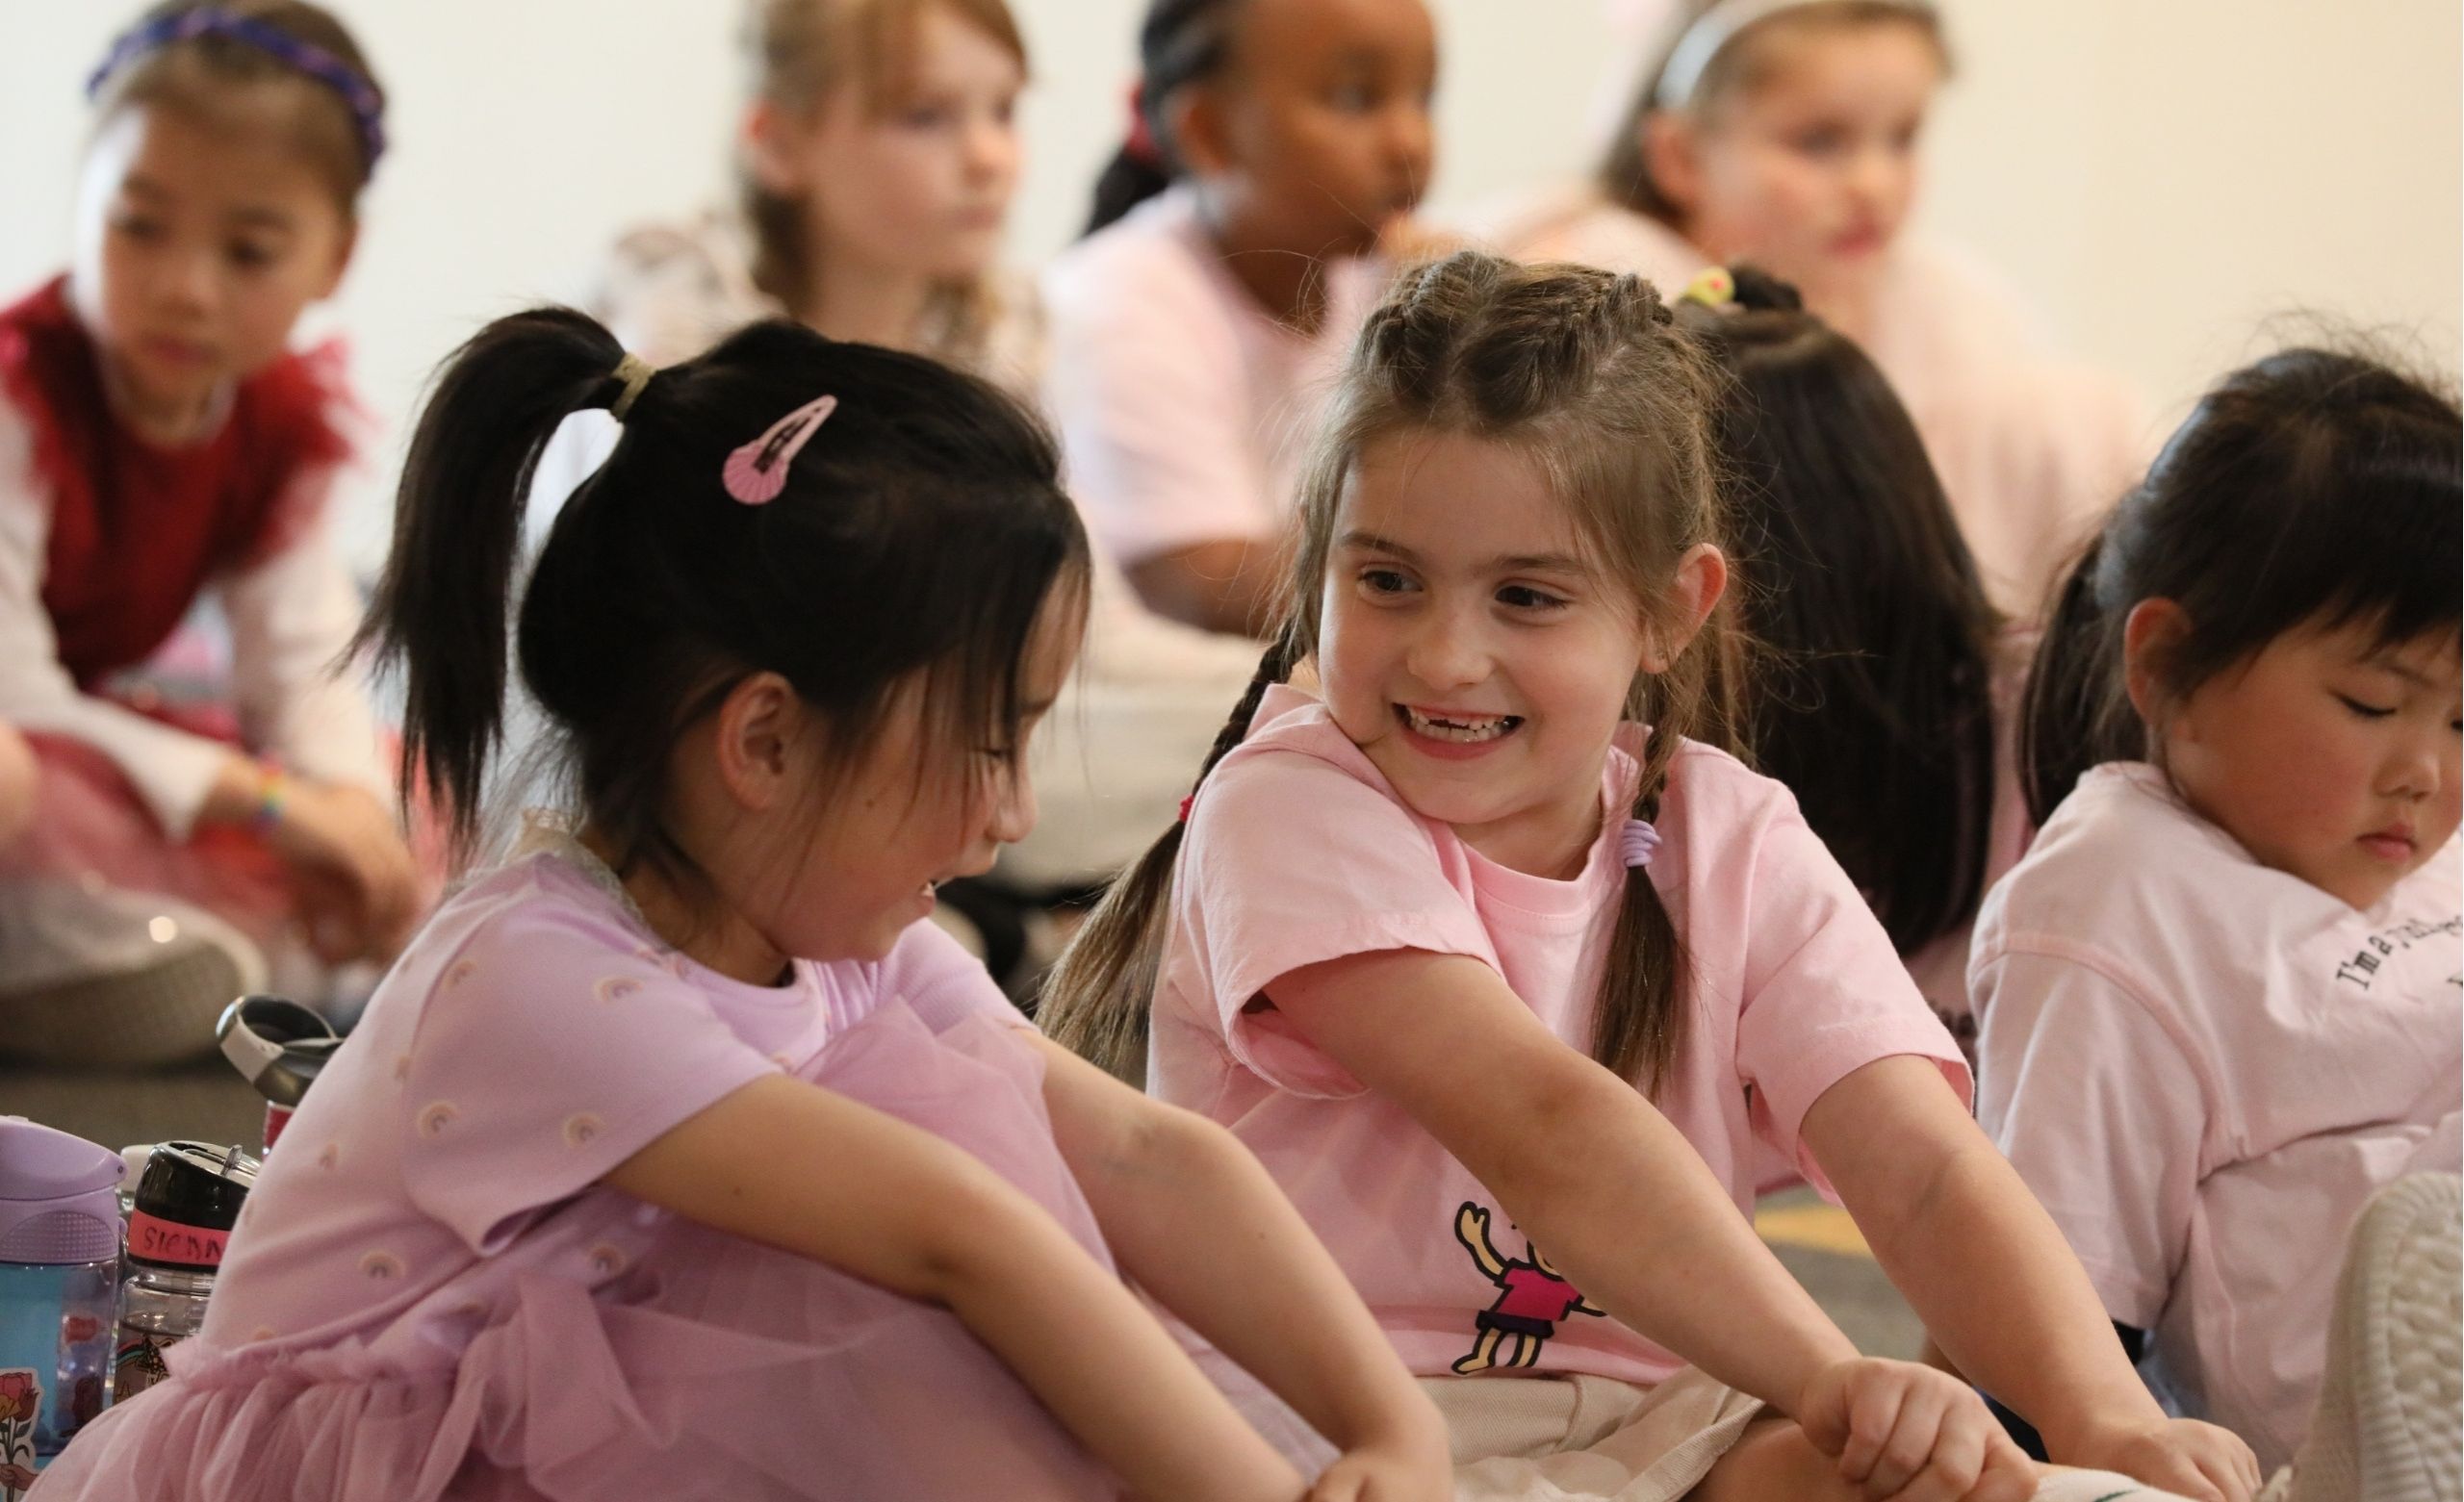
(1534, 1297)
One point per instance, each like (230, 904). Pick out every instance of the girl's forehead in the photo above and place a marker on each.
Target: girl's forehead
(1457, 494)
(239, 162)
(1284, 34)
(1783, 58)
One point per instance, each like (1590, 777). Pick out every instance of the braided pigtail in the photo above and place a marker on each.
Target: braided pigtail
(1096, 1001)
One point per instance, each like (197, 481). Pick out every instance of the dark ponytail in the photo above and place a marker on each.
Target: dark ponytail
(1181, 43)
(919, 539)
(2316, 489)
(440, 606)
(1876, 706)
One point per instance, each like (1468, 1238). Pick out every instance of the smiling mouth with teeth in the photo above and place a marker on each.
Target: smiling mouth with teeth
(1461, 729)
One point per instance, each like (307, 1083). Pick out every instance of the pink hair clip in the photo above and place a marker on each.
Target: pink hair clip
(757, 472)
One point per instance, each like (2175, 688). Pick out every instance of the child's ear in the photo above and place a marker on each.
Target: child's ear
(1672, 155)
(758, 724)
(1201, 141)
(2149, 637)
(1702, 579)
(343, 248)
(771, 140)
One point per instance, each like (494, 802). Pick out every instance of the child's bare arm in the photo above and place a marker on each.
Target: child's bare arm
(1956, 1230)
(1578, 1158)
(803, 1169)
(1198, 1224)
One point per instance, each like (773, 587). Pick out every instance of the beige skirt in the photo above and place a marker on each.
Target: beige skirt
(1563, 1436)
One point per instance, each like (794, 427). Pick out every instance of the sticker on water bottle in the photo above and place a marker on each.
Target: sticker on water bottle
(20, 1406)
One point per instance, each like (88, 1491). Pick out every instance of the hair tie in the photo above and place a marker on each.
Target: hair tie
(1712, 287)
(1139, 146)
(757, 472)
(359, 93)
(1637, 843)
(1186, 803)
(635, 372)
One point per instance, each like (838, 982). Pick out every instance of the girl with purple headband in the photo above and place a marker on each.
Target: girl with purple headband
(160, 442)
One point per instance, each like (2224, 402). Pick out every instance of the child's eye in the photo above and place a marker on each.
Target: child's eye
(136, 226)
(1823, 140)
(1523, 596)
(1385, 581)
(924, 118)
(1353, 97)
(252, 258)
(2366, 711)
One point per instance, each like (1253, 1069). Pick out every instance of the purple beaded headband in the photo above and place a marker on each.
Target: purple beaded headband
(367, 107)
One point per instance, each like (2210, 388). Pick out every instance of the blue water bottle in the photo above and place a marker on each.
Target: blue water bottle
(60, 1237)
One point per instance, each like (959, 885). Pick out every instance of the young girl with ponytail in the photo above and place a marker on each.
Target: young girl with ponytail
(675, 1157)
(2218, 997)
(1511, 974)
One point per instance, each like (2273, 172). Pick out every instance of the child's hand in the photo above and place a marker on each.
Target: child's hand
(1902, 1430)
(2198, 1461)
(1395, 1471)
(359, 884)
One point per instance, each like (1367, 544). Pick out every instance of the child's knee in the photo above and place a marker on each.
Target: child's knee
(1774, 1460)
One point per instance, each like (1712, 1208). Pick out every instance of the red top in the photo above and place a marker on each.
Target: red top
(137, 529)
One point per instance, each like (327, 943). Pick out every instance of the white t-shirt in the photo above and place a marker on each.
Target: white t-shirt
(2203, 1067)
(1185, 410)
(2031, 447)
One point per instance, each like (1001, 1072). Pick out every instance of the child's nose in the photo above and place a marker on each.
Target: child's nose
(1449, 652)
(2420, 767)
(1013, 816)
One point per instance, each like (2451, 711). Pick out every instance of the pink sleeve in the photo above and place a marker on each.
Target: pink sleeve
(1292, 861)
(943, 984)
(1146, 385)
(2103, 1116)
(548, 1054)
(1825, 994)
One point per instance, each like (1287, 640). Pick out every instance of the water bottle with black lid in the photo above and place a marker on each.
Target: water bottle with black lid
(187, 1203)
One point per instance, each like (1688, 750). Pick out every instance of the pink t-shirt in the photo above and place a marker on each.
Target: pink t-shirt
(2203, 1066)
(1299, 851)
(1184, 409)
(533, 1037)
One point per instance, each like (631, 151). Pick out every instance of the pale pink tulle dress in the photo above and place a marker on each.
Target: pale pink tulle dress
(427, 1297)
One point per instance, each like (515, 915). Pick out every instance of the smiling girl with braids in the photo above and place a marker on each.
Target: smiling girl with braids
(1492, 934)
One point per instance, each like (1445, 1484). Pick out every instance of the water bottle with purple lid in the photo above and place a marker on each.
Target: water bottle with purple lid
(59, 1239)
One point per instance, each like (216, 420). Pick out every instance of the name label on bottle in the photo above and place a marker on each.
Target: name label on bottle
(155, 1241)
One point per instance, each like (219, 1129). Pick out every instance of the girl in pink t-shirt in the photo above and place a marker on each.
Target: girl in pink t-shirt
(1497, 969)
(2220, 997)
(1277, 147)
(678, 1157)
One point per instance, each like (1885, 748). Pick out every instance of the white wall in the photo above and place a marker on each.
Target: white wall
(2159, 175)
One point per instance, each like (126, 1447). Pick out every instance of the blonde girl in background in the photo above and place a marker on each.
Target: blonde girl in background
(1513, 978)
(1788, 133)
(163, 444)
